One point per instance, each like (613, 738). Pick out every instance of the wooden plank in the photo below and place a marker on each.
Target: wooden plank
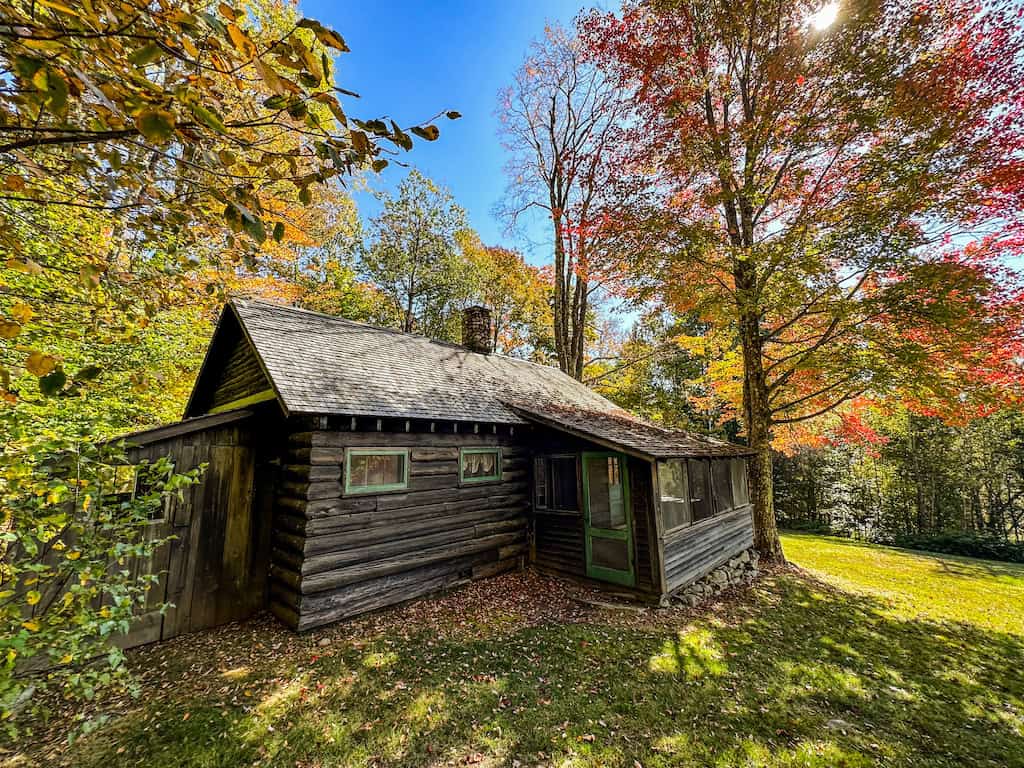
(379, 592)
(340, 577)
(178, 619)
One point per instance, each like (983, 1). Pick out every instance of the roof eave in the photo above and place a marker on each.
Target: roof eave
(616, 446)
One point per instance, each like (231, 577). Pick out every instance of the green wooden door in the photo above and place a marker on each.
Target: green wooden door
(607, 519)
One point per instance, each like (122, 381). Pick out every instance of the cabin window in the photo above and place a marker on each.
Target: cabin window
(540, 482)
(697, 489)
(479, 465)
(556, 483)
(376, 470)
(675, 502)
(130, 482)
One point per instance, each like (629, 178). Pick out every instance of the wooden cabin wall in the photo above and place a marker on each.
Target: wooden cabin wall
(336, 556)
(241, 377)
(645, 556)
(692, 552)
(214, 569)
(232, 371)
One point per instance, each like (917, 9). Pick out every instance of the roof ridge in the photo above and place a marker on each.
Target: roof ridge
(419, 336)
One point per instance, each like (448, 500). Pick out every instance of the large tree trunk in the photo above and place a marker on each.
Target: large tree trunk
(757, 414)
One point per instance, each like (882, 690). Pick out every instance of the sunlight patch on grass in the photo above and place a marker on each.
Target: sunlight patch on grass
(378, 660)
(676, 744)
(281, 696)
(693, 654)
(236, 673)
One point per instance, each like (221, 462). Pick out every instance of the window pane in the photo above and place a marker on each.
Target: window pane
(368, 470)
(700, 490)
(739, 482)
(604, 492)
(564, 494)
(721, 474)
(540, 482)
(675, 502)
(480, 464)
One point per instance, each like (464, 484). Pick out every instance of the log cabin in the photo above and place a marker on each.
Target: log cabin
(351, 467)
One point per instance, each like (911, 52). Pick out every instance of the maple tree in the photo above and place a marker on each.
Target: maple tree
(840, 199)
(559, 120)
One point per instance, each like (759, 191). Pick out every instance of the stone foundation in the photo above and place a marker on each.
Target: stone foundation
(740, 570)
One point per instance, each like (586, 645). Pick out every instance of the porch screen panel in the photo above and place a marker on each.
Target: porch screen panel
(609, 553)
(740, 494)
(700, 489)
(675, 501)
(604, 479)
(721, 480)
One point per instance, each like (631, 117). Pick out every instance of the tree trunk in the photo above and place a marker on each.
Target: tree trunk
(757, 414)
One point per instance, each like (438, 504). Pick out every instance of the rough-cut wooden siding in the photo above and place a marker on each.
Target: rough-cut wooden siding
(692, 552)
(240, 376)
(558, 542)
(336, 556)
(216, 566)
(640, 504)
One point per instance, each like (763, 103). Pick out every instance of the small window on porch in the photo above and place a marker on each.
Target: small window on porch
(555, 483)
(740, 494)
(721, 479)
(699, 477)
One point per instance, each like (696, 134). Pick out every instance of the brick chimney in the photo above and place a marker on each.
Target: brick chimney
(476, 329)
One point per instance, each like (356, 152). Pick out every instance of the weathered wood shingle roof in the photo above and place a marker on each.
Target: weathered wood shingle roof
(319, 364)
(328, 365)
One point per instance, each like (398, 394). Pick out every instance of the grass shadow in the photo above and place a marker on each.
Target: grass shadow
(794, 673)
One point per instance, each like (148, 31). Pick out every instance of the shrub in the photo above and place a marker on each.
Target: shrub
(966, 544)
(75, 518)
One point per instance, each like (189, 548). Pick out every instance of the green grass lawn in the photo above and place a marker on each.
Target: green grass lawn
(982, 593)
(872, 657)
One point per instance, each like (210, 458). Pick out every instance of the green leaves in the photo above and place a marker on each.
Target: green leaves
(155, 124)
(53, 89)
(208, 117)
(147, 54)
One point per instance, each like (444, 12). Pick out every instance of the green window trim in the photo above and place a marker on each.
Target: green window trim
(384, 488)
(495, 478)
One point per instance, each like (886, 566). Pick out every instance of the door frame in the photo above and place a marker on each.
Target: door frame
(625, 578)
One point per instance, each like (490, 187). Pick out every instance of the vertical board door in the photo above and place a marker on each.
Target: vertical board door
(607, 518)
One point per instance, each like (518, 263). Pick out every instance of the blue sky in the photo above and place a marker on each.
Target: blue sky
(410, 60)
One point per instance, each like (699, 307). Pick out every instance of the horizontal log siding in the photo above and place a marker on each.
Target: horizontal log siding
(240, 377)
(336, 556)
(558, 542)
(691, 553)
